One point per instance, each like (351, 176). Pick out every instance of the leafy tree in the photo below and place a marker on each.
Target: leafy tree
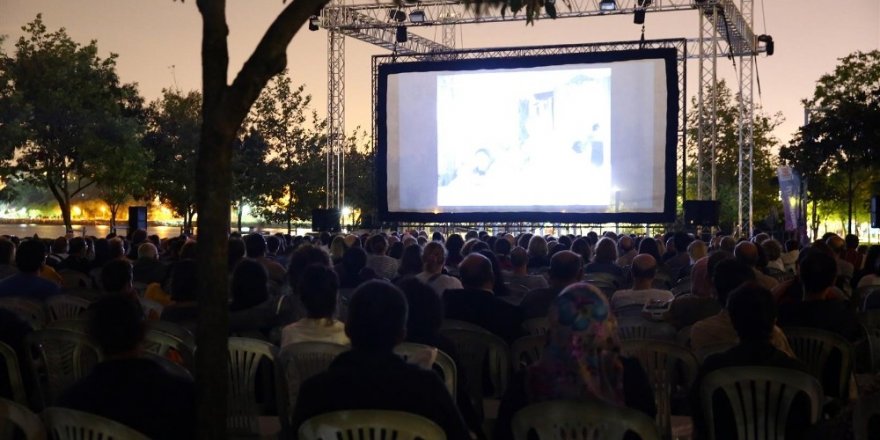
(764, 194)
(172, 137)
(360, 184)
(62, 112)
(123, 171)
(252, 176)
(296, 138)
(843, 134)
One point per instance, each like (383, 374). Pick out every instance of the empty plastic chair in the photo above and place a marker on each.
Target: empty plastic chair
(370, 425)
(15, 416)
(478, 349)
(576, 420)
(13, 373)
(527, 350)
(62, 357)
(66, 306)
(535, 326)
(33, 312)
(441, 362)
(245, 359)
(68, 424)
(814, 347)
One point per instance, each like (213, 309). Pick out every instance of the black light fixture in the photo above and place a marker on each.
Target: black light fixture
(401, 34)
(639, 16)
(608, 5)
(417, 16)
(769, 46)
(314, 23)
(397, 15)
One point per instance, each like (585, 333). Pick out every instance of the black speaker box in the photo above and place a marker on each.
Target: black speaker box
(325, 220)
(875, 211)
(701, 212)
(137, 218)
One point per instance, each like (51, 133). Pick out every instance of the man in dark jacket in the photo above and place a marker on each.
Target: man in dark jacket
(476, 303)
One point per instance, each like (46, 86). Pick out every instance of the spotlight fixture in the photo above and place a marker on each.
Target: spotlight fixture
(769, 46)
(639, 16)
(314, 23)
(401, 34)
(417, 16)
(608, 5)
(397, 15)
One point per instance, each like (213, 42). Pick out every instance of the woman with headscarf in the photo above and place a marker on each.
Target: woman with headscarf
(581, 361)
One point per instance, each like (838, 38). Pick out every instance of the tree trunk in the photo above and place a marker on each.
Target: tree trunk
(850, 196)
(240, 213)
(113, 218)
(814, 222)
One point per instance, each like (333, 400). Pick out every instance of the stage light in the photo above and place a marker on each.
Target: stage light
(608, 5)
(314, 23)
(639, 16)
(401, 34)
(397, 15)
(769, 46)
(417, 16)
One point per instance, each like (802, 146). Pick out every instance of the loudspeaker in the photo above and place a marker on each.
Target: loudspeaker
(325, 220)
(875, 211)
(701, 212)
(137, 218)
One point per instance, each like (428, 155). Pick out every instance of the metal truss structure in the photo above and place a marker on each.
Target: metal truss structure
(725, 29)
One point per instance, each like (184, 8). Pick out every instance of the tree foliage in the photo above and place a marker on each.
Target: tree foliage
(360, 172)
(63, 111)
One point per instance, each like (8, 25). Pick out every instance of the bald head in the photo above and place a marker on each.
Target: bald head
(837, 244)
(566, 267)
(625, 243)
(644, 267)
(476, 272)
(746, 252)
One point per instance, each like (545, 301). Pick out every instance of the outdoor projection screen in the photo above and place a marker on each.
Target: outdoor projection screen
(587, 137)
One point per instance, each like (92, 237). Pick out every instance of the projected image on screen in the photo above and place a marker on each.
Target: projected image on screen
(583, 134)
(550, 126)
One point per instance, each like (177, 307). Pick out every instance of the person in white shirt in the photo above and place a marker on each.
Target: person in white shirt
(318, 289)
(630, 302)
(433, 259)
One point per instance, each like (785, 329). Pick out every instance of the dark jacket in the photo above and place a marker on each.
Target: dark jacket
(360, 379)
(537, 302)
(485, 310)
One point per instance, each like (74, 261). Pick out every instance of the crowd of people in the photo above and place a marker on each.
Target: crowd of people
(373, 291)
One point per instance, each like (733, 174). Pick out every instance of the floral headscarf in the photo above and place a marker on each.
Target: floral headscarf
(581, 359)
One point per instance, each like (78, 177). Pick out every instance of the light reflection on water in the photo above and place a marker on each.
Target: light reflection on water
(53, 231)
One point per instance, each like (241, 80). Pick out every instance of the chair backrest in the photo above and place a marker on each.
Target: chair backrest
(33, 312)
(814, 347)
(370, 425)
(760, 398)
(245, 358)
(477, 348)
(13, 373)
(866, 418)
(65, 306)
(171, 341)
(527, 350)
(152, 309)
(670, 368)
(68, 424)
(638, 328)
(703, 352)
(872, 334)
(442, 362)
(456, 324)
(59, 359)
(605, 282)
(298, 362)
(74, 279)
(15, 415)
(535, 326)
(588, 420)
(870, 297)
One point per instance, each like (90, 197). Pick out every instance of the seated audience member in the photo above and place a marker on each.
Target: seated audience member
(718, 330)
(147, 268)
(605, 259)
(581, 361)
(700, 304)
(747, 253)
(566, 268)
(502, 248)
(627, 250)
(138, 237)
(7, 259)
(453, 244)
(773, 252)
(382, 264)
(519, 274)
(695, 250)
(28, 283)
(870, 273)
(538, 253)
(236, 252)
(630, 302)
(423, 327)
(129, 389)
(351, 270)
(476, 302)
(337, 249)
(410, 261)
(116, 277)
(58, 253)
(275, 249)
(433, 259)
(838, 247)
(791, 254)
(681, 259)
(317, 288)
(256, 247)
(370, 375)
(77, 256)
(116, 248)
(252, 309)
(852, 254)
(752, 314)
(821, 306)
(498, 286)
(184, 309)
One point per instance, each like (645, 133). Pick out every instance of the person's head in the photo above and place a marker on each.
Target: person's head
(537, 247)
(818, 271)
(425, 308)
(353, 260)
(566, 267)
(606, 251)
(837, 245)
(59, 246)
(644, 267)
(337, 247)
(116, 276)
(148, 251)
(433, 257)
(378, 244)
(752, 312)
(30, 256)
(792, 245)
(255, 245)
(696, 250)
(519, 258)
(730, 274)
(237, 251)
(377, 315)
(249, 285)
(475, 271)
(454, 243)
(396, 249)
(116, 248)
(872, 259)
(649, 246)
(501, 247)
(273, 244)
(302, 257)
(681, 240)
(772, 249)
(138, 236)
(318, 288)
(852, 241)
(411, 260)
(438, 237)
(746, 252)
(184, 281)
(727, 243)
(77, 247)
(116, 324)
(625, 242)
(7, 251)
